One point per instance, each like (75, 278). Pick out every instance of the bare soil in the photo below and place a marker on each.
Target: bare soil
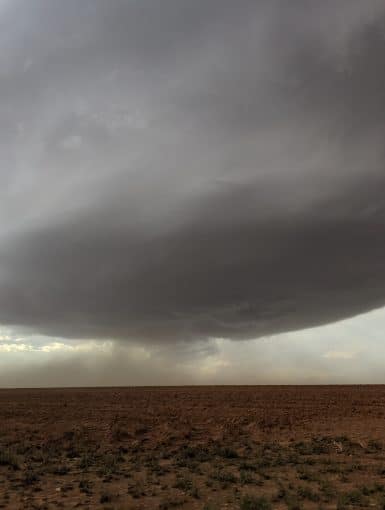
(247, 448)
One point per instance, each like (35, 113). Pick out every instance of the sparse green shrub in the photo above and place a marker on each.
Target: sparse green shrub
(255, 503)
(307, 493)
(228, 453)
(317, 446)
(110, 465)
(352, 498)
(245, 477)
(86, 460)
(168, 503)
(224, 477)
(8, 458)
(105, 497)
(372, 489)
(374, 446)
(30, 477)
(247, 466)
(209, 506)
(197, 453)
(60, 470)
(85, 486)
(328, 490)
(183, 484)
(187, 485)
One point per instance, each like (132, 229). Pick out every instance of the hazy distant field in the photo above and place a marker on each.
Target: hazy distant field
(203, 447)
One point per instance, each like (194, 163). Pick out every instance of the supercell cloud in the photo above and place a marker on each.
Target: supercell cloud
(181, 170)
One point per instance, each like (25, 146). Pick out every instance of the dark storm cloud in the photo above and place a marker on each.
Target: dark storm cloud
(180, 170)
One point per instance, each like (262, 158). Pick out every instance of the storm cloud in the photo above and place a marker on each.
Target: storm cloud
(185, 170)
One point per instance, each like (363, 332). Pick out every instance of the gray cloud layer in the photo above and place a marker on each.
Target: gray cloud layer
(181, 170)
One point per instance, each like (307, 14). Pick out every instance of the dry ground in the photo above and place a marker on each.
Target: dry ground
(247, 448)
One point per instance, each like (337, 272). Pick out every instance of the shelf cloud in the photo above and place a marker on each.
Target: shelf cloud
(175, 171)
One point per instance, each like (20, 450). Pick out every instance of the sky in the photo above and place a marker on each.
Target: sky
(191, 192)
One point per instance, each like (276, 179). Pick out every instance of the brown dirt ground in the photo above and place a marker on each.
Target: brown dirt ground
(247, 448)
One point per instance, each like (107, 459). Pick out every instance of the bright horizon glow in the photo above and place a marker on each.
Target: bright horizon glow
(346, 352)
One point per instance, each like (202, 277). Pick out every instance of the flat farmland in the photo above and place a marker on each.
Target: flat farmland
(244, 447)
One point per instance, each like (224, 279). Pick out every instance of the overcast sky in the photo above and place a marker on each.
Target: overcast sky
(191, 191)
